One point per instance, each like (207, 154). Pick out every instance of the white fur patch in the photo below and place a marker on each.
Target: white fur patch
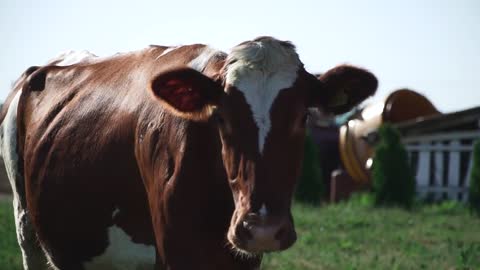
(10, 159)
(9, 143)
(73, 57)
(31, 255)
(261, 70)
(123, 254)
(168, 50)
(201, 61)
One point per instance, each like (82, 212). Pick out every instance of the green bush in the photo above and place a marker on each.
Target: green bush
(393, 180)
(310, 187)
(474, 191)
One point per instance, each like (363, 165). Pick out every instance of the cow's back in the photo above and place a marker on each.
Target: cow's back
(76, 127)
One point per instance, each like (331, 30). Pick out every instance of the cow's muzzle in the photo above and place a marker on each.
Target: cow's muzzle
(257, 234)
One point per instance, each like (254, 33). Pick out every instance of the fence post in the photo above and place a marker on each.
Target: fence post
(454, 170)
(423, 171)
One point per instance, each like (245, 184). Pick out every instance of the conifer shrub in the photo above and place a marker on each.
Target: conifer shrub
(392, 177)
(310, 188)
(474, 190)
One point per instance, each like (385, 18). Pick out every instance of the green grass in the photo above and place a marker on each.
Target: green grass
(354, 235)
(10, 258)
(351, 235)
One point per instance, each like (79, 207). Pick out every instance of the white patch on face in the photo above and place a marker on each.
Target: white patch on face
(261, 70)
(200, 62)
(263, 211)
(123, 254)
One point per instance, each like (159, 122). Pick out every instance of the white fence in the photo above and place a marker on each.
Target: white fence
(442, 163)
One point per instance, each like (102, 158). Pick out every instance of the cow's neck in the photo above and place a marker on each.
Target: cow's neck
(194, 173)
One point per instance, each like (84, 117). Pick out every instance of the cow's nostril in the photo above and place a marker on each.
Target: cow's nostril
(244, 231)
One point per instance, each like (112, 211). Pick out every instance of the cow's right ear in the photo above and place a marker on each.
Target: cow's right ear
(187, 92)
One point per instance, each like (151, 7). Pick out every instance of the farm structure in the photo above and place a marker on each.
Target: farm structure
(440, 152)
(439, 146)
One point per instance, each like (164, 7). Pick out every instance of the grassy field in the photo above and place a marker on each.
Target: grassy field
(352, 235)
(10, 258)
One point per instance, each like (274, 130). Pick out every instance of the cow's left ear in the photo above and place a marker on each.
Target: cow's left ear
(343, 87)
(187, 92)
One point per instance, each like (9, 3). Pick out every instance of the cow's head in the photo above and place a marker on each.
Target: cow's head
(259, 100)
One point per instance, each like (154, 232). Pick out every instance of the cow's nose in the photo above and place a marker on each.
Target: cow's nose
(267, 233)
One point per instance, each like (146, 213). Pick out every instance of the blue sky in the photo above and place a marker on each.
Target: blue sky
(430, 46)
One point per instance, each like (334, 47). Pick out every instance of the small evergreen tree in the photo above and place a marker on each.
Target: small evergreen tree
(393, 180)
(310, 187)
(474, 191)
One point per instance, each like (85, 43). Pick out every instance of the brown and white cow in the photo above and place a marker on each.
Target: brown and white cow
(169, 157)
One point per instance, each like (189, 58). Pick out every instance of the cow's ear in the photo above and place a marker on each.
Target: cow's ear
(343, 87)
(187, 92)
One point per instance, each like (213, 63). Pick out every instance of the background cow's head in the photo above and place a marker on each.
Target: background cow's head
(259, 100)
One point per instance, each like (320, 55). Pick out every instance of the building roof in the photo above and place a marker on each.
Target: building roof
(466, 120)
